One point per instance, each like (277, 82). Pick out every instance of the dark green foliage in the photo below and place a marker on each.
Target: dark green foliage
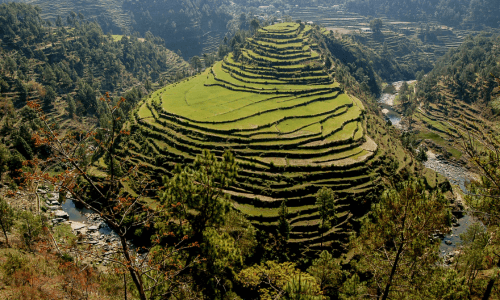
(254, 25)
(282, 235)
(4, 159)
(7, 217)
(394, 244)
(284, 227)
(30, 228)
(50, 96)
(80, 59)
(87, 96)
(71, 106)
(328, 273)
(352, 60)
(223, 259)
(15, 162)
(196, 63)
(421, 156)
(325, 200)
(23, 147)
(178, 23)
(196, 194)
(462, 69)
(14, 262)
(376, 25)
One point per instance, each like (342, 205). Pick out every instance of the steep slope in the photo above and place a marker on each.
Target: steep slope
(290, 126)
(193, 27)
(459, 93)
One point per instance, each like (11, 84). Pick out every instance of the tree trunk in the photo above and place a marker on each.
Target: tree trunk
(125, 286)
(135, 277)
(393, 271)
(491, 284)
(5, 233)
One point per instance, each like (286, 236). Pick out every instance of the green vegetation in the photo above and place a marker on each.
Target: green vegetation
(67, 69)
(464, 13)
(459, 94)
(290, 126)
(269, 174)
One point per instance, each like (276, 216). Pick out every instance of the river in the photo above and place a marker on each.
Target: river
(81, 215)
(457, 175)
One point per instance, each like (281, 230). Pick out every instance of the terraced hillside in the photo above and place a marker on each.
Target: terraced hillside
(440, 122)
(404, 39)
(109, 13)
(460, 94)
(290, 126)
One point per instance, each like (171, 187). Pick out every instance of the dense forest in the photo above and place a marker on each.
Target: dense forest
(67, 66)
(468, 72)
(184, 25)
(180, 23)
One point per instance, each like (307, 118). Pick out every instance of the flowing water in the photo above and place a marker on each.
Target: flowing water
(78, 214)
(457, 175)
(386, 102)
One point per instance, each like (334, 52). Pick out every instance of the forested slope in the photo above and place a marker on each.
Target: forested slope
(459, 94)
(66, 69)
(190, 26)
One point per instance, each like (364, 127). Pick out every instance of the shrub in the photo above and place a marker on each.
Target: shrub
(30, 228)
(14, 263)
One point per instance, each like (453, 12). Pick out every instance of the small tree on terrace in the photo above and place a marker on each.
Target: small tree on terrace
(283, 232)
(325, 200)
(254, 25)
(376, 25)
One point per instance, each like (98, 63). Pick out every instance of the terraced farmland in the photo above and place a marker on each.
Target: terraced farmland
(400, 37)
(440, 122)
(291, 128)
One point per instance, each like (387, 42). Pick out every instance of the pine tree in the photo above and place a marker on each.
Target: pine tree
(325, 200)
(197, 192)
(394, 244)
(282, 233)
(71, 106)
(327, 271)
(283, 224)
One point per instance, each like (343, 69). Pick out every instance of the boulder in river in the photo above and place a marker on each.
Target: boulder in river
(61, 214)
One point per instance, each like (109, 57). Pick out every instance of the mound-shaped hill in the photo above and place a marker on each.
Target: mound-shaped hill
(290, 126)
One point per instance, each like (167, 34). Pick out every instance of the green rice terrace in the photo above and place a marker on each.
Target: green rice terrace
(288, 123)
(441, 121)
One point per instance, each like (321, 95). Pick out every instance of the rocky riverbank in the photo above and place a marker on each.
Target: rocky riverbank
(89, 227)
